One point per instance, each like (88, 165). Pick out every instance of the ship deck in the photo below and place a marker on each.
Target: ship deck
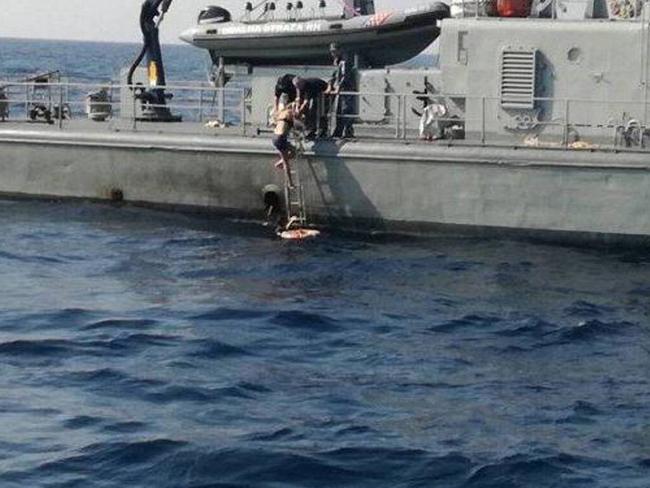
(370, 134)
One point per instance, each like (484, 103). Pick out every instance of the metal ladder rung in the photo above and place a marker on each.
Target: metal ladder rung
(295, 196)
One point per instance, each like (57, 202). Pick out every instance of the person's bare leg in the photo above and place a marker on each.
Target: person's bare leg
(279, 164)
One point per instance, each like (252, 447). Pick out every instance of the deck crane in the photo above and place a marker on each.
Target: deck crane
(153, 98)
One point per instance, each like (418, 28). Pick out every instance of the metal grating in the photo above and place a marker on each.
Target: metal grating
(518, 78)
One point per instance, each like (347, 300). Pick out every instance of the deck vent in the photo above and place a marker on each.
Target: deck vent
(518, 78)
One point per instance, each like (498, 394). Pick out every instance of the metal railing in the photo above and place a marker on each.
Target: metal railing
(454, 120)
(552, 123)
(61, 103)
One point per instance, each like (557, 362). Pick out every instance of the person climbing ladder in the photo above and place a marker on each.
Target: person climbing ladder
(284, 123)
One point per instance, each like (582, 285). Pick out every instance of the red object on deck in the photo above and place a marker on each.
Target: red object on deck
(513, 8)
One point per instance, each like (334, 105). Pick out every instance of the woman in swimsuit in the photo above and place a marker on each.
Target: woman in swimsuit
(285, 118)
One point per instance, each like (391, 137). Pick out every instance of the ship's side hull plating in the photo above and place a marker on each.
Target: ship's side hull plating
(555, 194)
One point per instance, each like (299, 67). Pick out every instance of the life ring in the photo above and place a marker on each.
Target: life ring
(298, 234)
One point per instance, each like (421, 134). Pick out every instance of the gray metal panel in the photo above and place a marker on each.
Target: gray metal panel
(518, 77)
(597, 64)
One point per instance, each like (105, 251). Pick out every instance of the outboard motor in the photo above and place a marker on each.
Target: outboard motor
(215, 15)
(154, 99)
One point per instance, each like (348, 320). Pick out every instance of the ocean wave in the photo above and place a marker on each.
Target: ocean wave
(48, 320)
(115, 455)
(532, 327)
(592, 330)
(295, 319)
(39, 347)
(471, 321)
(169, 463)
(81, 422)
(108, 380)
(582, 412)
(275, 436)
(539, 471)
(224, 314)
(30, 259)
(583, 308)
(137, 324)
(213, 349)
(125, 427)
(114, 383)
(131, 342)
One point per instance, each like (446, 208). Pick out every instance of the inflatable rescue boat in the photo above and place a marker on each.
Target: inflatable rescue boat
(379, 39)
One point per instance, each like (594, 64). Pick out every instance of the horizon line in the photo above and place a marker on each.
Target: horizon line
(59, 39)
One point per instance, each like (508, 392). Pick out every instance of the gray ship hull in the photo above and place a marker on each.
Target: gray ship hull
(551, 194)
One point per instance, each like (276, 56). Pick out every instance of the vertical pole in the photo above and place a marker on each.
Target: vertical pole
(111, 97)
(133, 114)
(243, 111)
(200, 104)
(222, 109)
(60, 107)
(334, 109)
(404, 116)
(482, 120)
(566, 124)
(398, 113)
(645, 39)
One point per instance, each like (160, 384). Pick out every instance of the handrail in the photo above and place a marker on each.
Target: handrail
(622, 121)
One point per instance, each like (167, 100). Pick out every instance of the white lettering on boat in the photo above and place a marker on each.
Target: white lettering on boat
(271, 28)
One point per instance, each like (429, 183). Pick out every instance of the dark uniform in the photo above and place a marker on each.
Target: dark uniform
(343, 80)
(285, 85)
(311, 90)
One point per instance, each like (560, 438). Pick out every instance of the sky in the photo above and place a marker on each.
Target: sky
(115, 20)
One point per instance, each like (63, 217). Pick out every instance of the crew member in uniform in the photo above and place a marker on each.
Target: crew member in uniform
(309, 94)
(284, 85)
(343, 80)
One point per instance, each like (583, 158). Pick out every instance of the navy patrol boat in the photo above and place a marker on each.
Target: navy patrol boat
(295, 37)
(534, 123)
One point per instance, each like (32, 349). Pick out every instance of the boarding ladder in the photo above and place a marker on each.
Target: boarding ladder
(295, 195)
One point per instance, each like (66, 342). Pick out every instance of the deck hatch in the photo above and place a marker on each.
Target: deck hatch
(518, 78)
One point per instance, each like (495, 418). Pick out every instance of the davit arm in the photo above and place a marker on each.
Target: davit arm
(151, 16)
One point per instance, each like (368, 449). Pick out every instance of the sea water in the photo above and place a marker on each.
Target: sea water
(140, 348)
